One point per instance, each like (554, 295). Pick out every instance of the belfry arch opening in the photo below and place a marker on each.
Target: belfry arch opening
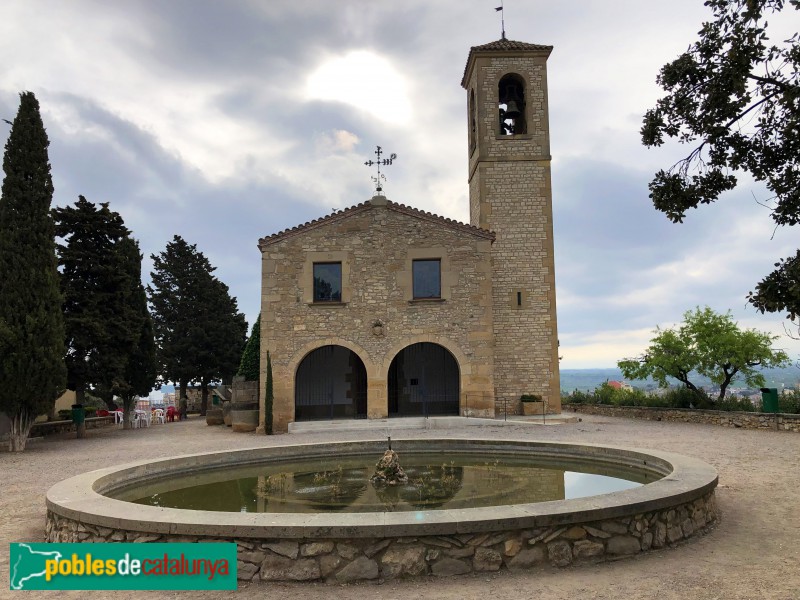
(424, 380)
(511, 105)
(330, 383)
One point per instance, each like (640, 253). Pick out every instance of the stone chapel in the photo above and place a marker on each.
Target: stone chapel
(383, 310)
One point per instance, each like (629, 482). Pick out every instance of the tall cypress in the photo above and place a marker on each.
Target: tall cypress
(32, 371)
(249, 366)
(134, 372)
(269, 397)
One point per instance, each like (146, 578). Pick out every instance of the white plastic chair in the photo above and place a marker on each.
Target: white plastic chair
(119, 417)
(158, 416)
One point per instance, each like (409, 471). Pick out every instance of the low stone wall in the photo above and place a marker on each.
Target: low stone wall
(744, 420)
(52, 427)
(357, 559)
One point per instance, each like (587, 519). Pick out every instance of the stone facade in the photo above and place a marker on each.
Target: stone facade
(511, 195)
(739, 420)
(378, 316)
(347, 560)
(496, 314)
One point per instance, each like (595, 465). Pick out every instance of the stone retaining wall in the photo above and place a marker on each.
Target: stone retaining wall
(348, 560)
(744, 420)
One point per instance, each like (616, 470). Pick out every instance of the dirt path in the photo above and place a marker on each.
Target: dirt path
(753, 553)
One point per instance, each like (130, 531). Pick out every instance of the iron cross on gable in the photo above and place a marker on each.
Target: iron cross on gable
(380, 162)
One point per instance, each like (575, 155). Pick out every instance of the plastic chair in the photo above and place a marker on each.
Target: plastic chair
(158, 416)
(119, 417)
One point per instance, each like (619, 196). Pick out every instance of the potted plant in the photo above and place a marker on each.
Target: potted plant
(532, 404)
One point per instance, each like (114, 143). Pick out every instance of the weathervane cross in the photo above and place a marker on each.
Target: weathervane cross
(380, 162)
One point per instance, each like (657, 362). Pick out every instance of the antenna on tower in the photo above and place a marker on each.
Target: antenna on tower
(502, 20)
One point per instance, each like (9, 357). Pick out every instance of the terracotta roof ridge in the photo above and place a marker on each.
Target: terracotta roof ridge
(438, 218)
(503, 45)
(401, 208)
(314, 223)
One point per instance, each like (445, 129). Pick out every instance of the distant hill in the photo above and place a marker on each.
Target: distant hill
(586, 380)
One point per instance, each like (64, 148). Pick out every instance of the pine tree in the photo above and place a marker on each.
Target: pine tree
(199, 331)
(32, 371)
(95, 287)
(249, 366)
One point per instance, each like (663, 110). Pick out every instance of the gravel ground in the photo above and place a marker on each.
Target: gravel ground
(753, 552)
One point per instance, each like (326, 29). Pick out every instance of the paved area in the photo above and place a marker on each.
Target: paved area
(754, 552)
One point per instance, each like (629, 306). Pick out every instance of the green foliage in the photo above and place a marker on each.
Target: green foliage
(32, 371)
(249, 366)
(733, 95)
(198, 329)
(135, 326)
(530, 398)
(780, 290)
(709, 344)
(269, 397)
(96, 284)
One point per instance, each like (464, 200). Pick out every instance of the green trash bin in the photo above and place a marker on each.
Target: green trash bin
(769, 400)
(79, 418)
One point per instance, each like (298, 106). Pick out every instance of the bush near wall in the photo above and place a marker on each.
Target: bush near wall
(676, 398)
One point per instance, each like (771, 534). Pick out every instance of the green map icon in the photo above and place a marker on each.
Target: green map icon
(28, 564)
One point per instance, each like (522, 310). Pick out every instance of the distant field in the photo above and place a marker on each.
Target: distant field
(587, 379)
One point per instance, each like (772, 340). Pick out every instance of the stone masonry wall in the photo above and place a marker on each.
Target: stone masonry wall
(510, 194)
(347, 560)
(743, 420)
(376, 243)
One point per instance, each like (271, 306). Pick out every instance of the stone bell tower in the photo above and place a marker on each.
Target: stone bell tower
(510, 194)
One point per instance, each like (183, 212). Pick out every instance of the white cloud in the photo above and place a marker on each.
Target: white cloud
(364, 80)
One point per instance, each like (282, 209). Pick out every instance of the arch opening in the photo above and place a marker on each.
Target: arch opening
(424, 380)
(511, 92)
(330, 383)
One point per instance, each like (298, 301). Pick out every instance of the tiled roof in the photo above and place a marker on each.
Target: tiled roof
(364, 206)
(503, 45)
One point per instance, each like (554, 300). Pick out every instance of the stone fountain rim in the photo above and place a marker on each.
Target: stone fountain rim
(80, 498)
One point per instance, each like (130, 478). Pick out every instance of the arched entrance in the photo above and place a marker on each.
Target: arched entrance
(423, 381)
(330, 383)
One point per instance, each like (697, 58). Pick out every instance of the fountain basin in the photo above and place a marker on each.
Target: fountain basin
(343, 547)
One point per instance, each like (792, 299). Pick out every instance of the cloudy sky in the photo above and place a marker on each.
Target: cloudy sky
(224, 122)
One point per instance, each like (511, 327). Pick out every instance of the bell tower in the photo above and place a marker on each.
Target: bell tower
(510, 194)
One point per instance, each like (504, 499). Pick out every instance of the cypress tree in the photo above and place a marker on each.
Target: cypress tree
(133, 372)
(32, 371)
(249, 366)
(269, 397)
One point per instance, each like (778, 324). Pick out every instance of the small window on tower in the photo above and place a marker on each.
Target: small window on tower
(473, 122)
(511, 93)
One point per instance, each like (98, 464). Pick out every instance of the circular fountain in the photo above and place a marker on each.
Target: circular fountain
(443, 533)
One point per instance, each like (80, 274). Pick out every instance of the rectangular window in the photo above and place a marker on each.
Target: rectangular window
(427, 276)
(328, 282)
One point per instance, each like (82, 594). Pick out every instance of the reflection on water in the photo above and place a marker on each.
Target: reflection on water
(466, 481)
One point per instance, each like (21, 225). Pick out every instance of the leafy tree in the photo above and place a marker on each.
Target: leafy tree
(250, 366)
(32, 371)
(198, 329)
(709, 344)
(734, 95)
(269, 397)
(95, 288)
